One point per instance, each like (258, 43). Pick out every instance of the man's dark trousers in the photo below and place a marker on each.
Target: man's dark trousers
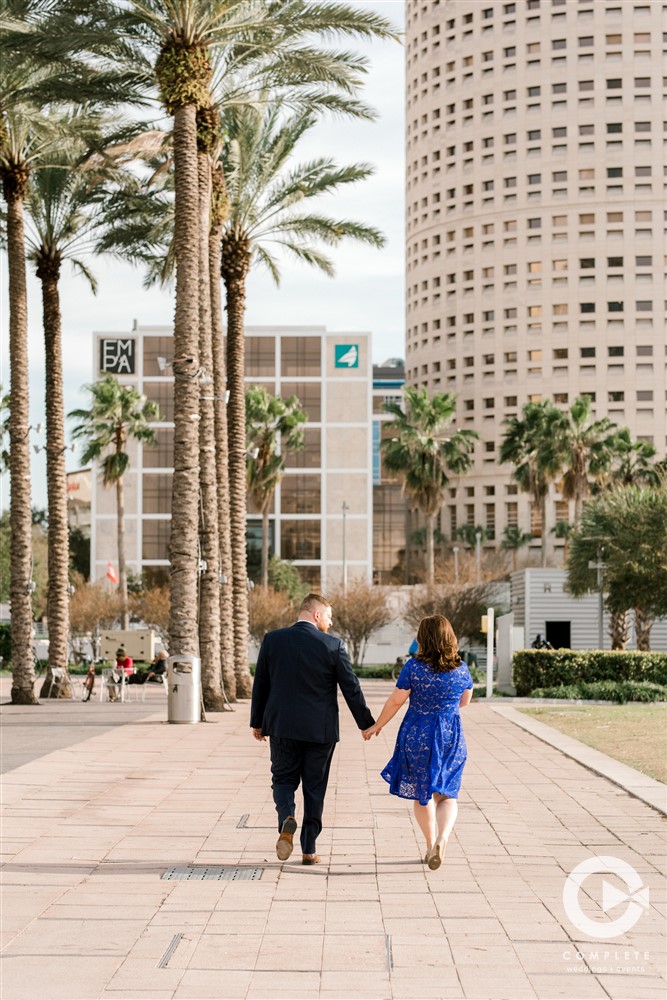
(294, 761)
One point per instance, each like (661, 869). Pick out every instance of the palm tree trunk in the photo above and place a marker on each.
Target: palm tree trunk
(430, 551)
(235, 266)
(20, 513)
(122, 563)
(618, 629)
(209, 582)
(265, 547)
(408, 532)
(57, 602)
(183, 553)
(643, 625)
(543, 513)
(222, 471)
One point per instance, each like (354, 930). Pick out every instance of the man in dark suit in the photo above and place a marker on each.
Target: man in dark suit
(295, 704)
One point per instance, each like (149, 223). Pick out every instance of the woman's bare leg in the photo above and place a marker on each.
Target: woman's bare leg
(425, 816)
(446, 811)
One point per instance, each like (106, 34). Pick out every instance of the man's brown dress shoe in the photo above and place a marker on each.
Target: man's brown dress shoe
(310, 859)
(284, 844)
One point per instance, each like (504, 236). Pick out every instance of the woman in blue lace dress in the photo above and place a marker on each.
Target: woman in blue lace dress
(430, 751)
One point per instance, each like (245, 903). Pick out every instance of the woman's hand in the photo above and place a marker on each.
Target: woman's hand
(374, 730)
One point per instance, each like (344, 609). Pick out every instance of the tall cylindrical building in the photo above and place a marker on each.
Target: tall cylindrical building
(535, 223)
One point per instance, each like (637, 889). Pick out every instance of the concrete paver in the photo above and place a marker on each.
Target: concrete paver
(93, 820)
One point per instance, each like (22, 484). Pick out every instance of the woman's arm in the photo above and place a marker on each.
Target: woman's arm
(466, 698)
(398, 697)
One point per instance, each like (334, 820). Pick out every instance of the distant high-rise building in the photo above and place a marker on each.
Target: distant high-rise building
(535, 223)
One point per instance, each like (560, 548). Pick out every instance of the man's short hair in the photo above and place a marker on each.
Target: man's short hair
(313, 601)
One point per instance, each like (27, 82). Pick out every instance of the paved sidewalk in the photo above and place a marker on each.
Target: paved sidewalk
(89, 830)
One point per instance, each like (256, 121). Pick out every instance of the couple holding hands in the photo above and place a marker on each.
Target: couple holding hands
(295, 704)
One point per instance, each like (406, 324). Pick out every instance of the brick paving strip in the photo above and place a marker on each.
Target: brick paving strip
(90, 828)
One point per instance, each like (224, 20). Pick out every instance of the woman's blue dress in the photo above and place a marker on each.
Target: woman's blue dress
(430, 751)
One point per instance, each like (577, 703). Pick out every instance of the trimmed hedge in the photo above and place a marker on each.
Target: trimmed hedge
(548, 668)
(618, 691)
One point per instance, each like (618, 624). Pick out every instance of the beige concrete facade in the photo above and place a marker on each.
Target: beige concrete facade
(535, 221)
(331, 374)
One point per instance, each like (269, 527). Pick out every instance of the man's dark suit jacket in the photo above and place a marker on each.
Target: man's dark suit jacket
(294, 695)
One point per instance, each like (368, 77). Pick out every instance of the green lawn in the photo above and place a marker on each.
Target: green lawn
(634, 734)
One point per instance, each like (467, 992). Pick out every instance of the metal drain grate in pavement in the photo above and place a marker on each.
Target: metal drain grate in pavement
(213, 873)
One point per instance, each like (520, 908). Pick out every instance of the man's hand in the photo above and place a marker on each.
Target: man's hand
(373, 730)
(257, 733)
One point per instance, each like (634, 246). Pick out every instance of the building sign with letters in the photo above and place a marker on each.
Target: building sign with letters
(117, 357)
(346, 355)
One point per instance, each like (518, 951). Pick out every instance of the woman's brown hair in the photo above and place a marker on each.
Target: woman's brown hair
(438, 646)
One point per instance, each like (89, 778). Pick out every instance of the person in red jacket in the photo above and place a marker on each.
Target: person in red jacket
(123, 661)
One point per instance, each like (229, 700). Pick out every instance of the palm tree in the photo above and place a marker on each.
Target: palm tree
(629, 523)
(583, 447)
(118, 414)
(525, 444)
(26, 134)
(183, 38)
(274, 427)
(266, 199)
(42, 67)
(513, 540)
(187, 41)
(425, 454)
(563, 529)
(60, 204)
(636, 462)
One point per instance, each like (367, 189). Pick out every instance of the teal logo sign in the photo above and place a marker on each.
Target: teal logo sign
(346, 355)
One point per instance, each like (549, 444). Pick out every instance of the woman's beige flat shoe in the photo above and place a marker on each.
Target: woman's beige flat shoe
(434, 857)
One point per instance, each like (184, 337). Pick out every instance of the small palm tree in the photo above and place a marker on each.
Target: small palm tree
(584, 448)
(274, 427)
(513, 540)
(636, 462)
(425, 454)
(118, 414)
(266, 199)
(526, 444)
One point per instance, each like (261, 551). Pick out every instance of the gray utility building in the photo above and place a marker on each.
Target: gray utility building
(541, 604)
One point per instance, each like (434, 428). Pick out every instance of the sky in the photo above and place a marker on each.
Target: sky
(367, 293)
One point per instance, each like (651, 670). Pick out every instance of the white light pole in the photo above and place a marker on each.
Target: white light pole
(598, 566)
(490, 626)
(345, 509)
(455, 550)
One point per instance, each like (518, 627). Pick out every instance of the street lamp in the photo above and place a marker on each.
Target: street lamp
(455, 550)
(598, 565)
(345, 509)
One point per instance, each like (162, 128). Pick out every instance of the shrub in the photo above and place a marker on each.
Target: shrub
(618, 691)
(268, 609)
(542, 668)
(463, 606)
(359, 613)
